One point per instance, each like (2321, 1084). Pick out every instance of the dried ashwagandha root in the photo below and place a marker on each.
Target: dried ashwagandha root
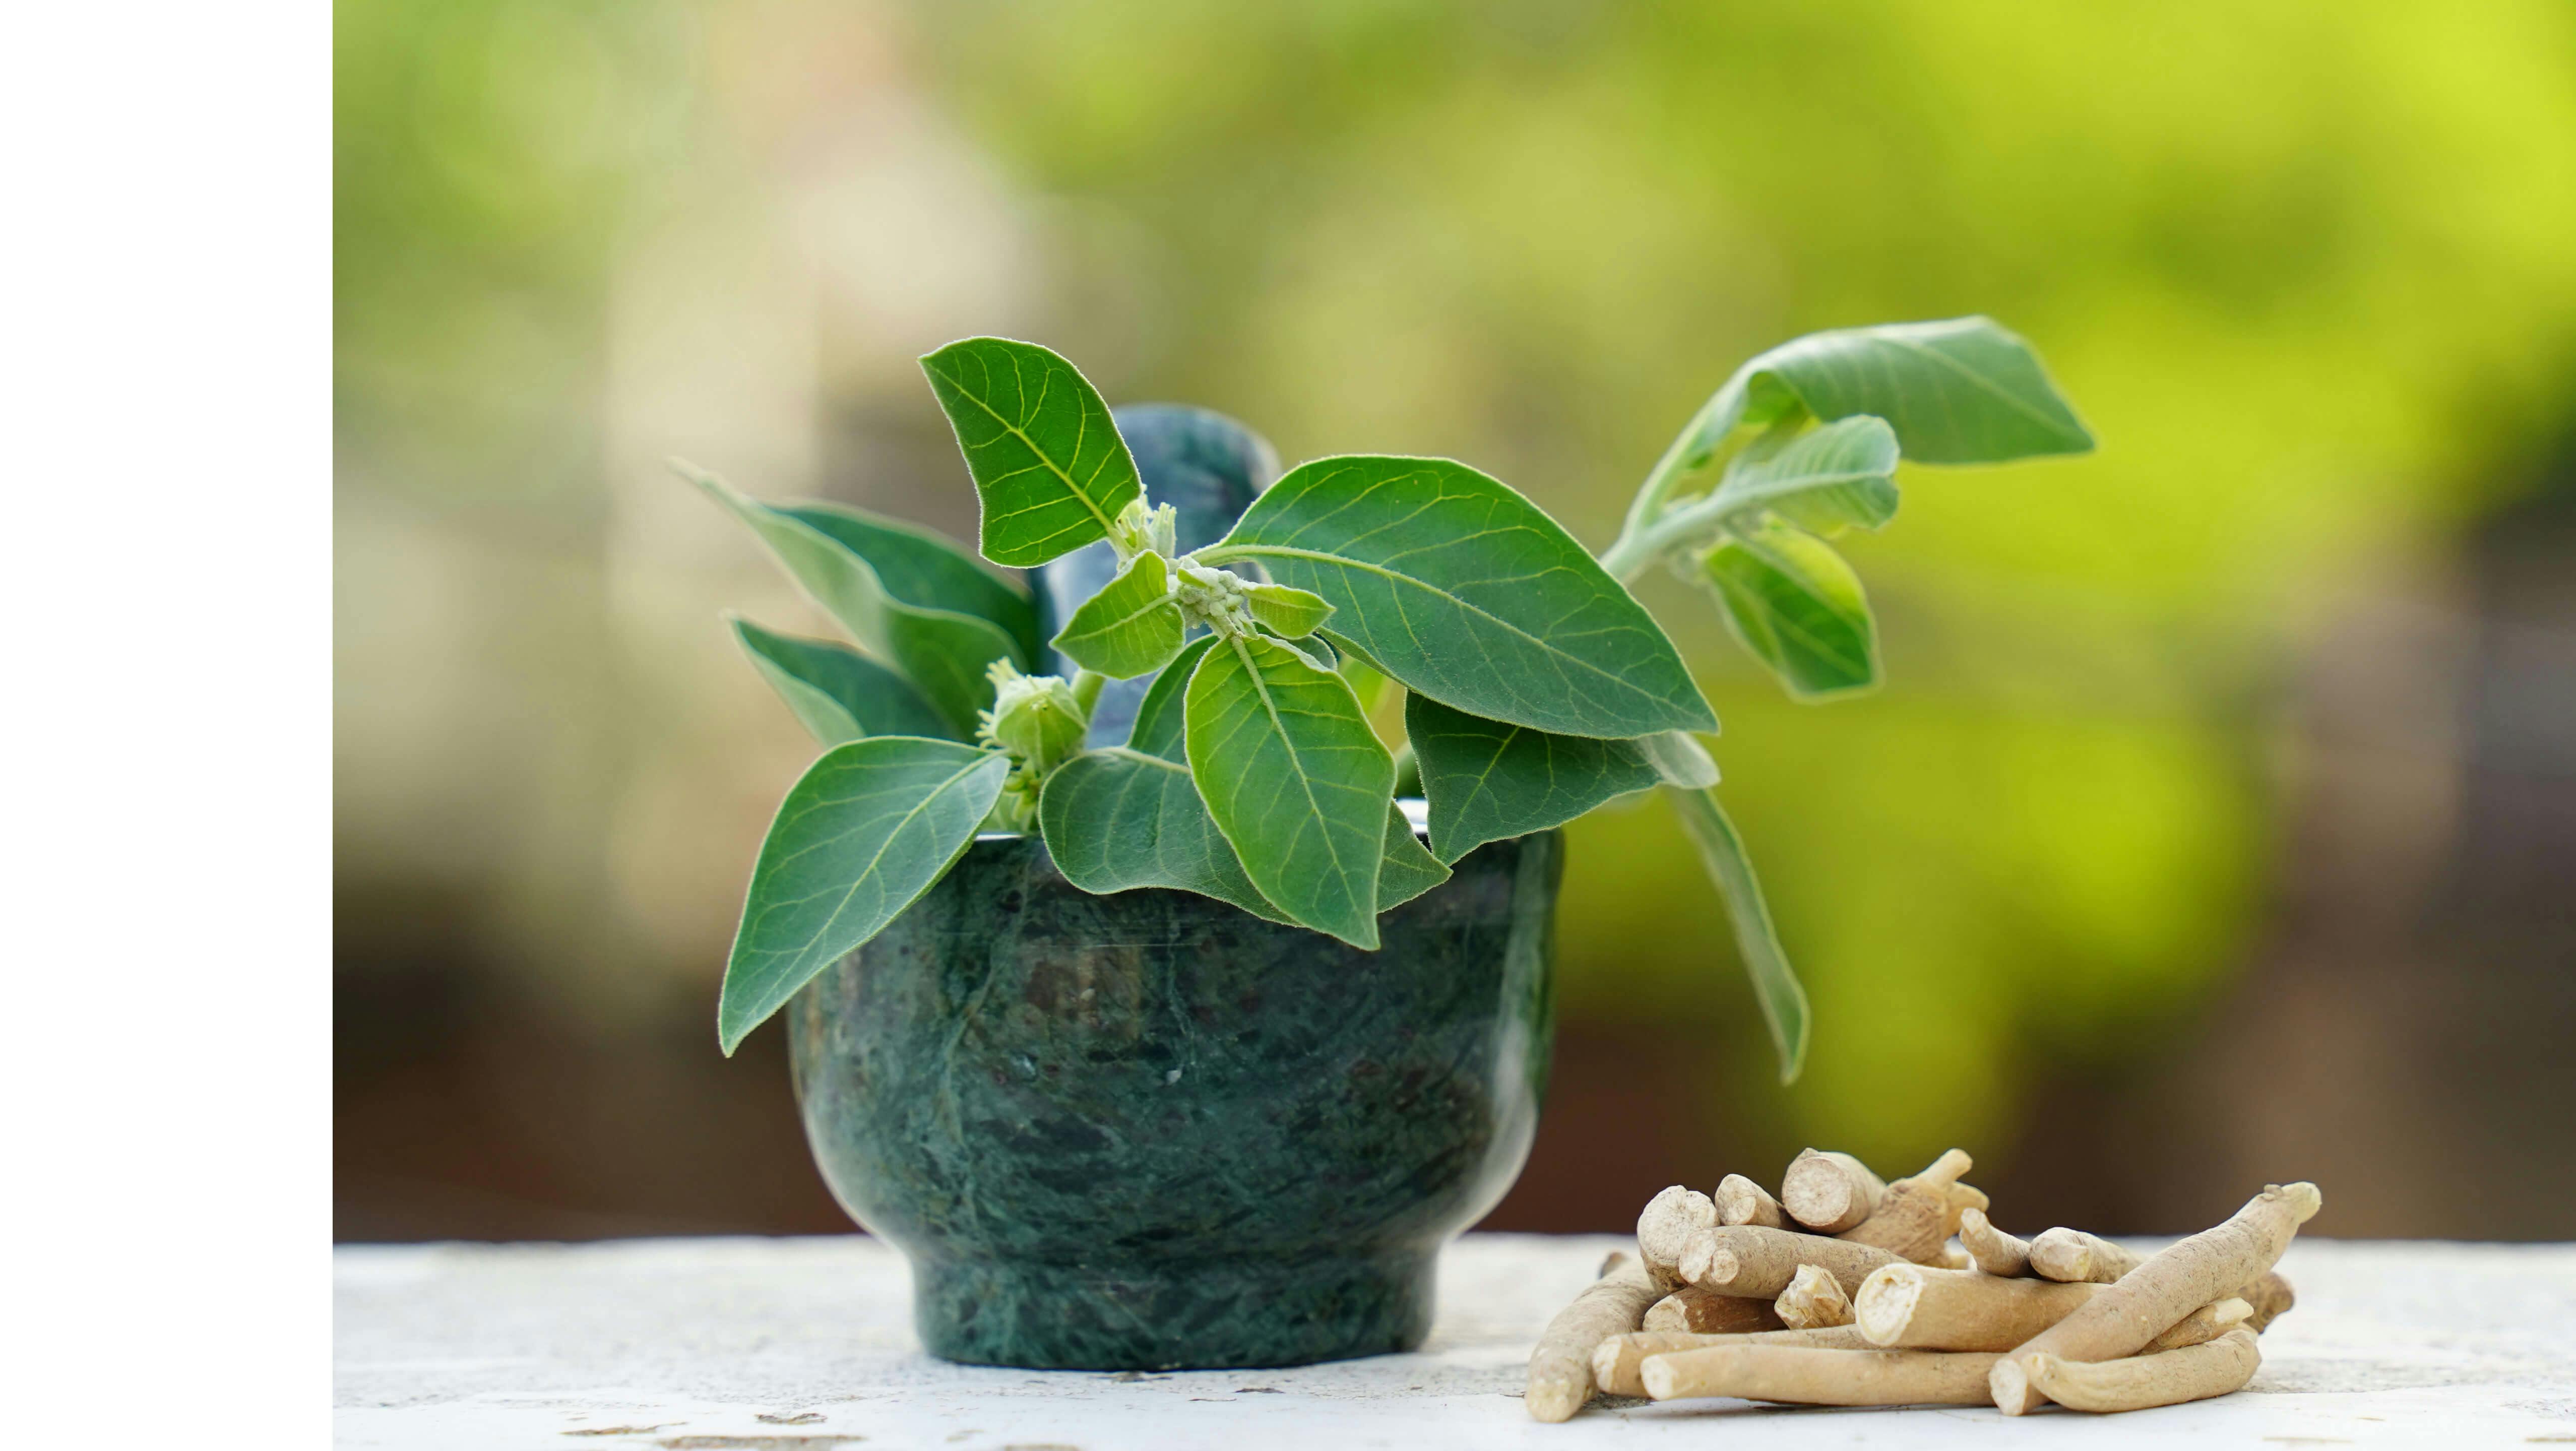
(1741, 1201)
(1819, 1377)
(1616, 1362)
(1739, 1259)
(1814, 1301)
(1560, 1369)
(1829, 1192)
(2070, 1256)
(1664, 1230)
(2141, 1305)
(1704, 1312)
(2201, 1326)
(1992, 1250)
(2271, 1297)
(2133, 1383)
(1918, 1307)
(1917, 1214)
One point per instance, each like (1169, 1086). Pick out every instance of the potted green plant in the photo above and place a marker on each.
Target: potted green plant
(1185, 1042)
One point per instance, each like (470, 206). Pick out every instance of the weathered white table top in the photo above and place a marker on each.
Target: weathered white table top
(806, 1344)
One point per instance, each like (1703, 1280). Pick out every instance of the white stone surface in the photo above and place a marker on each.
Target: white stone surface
(806, 1344)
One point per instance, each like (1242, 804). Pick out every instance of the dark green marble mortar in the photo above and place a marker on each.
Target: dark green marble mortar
(1150, 1131)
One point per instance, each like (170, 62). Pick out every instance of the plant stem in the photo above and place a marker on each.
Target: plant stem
(1086, 689)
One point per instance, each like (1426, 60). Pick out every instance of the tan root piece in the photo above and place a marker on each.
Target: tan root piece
(1819, 1377)
(1955, 1258)
(1741, 1201)
(1814, 1301)
(2136, 1382)
(1994, 1251)
(1666, 1227)
(1918, 1307)
(1704, 1312)
(2208, 1266)
(2070, 1256)
(2202, 1325)
(1560, 1369)
(2271, 1297)
(1740, 1259)
(1917, 1214)
(1616, 1363)
(1829, 1192)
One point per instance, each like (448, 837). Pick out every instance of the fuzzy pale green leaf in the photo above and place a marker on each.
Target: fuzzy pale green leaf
(839, 694)
(1798, 607)
(1961, 391)
(1679, 759)
(1291, 613)
(870, 826)
(1454, 584)
(1295, 779)
(1048, 464)
(1131, 628)
(925, 569)
(1775, 983)
(942, 652)
(1823, 479)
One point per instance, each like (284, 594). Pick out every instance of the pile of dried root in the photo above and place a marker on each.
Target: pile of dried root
(1850, 1291)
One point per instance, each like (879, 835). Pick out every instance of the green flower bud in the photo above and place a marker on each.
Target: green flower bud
(1034, 718)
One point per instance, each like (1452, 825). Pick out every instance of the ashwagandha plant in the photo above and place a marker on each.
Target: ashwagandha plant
(1537, 687)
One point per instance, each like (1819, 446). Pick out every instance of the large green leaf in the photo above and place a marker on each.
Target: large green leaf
(1132, 627)
(1047, 462)
(869, 828)
(1296, 780)
(1490, 780)
(941, 652)
(1162, 714)
(839, 694)
(1824, 479)
(1457, 586)
(1775, 983)
(1409, 869)
(1798, 607)
(924, 568)
(1961, 391)
(1119, 818)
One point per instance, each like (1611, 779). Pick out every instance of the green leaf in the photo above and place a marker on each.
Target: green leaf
(1466, 592)
(1120, 818)
(869, 828)
(1798, 607)
(1131, 627)
(1823, 479)
(1489, 780)
(1291, 613)
(1679, 759)
(923, 568)
(1409, 869)
(1775, 983)
(941, 652)
(1962, 391)
(1047, 462)
(839, 694)
(1160, 716)
(1296, 780)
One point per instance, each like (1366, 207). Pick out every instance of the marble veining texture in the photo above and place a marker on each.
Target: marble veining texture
(1148, 1130)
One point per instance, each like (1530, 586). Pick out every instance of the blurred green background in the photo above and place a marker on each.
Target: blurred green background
(2217, 822)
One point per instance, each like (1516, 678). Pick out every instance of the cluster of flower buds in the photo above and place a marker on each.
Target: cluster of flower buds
(1141, 528)
(1036, 720)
